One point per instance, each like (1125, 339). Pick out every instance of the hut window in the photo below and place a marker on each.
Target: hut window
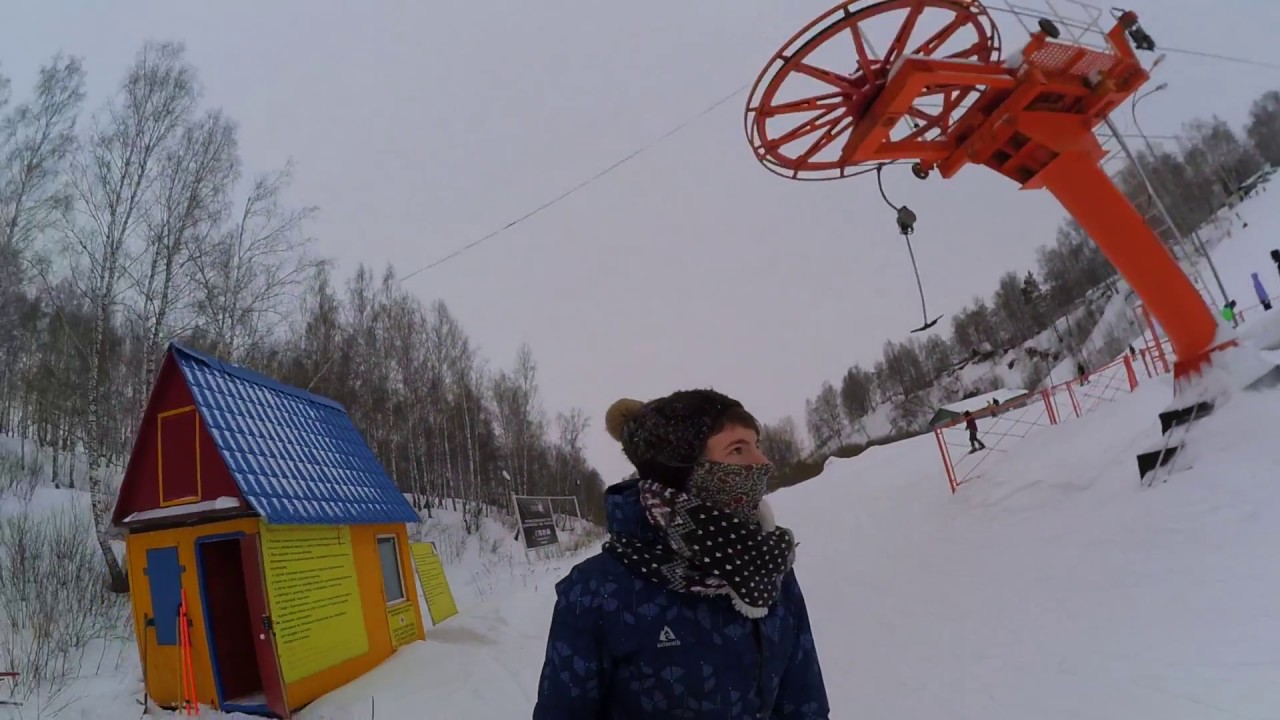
(389, 557)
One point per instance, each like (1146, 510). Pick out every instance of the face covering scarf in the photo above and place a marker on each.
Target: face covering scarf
(711, 539)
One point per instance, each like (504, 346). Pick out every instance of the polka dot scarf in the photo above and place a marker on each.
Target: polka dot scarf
(707, 550)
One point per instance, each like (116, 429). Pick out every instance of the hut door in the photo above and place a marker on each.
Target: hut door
(263, 637)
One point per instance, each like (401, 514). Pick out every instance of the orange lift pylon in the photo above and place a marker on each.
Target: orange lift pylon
(941, 95)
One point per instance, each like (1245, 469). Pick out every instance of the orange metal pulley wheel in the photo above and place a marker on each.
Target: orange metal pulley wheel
(820, 84)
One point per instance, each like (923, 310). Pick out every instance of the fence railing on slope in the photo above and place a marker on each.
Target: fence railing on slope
(1000, 427)
(1157, 352)
(1002, 424)
(1082, 395)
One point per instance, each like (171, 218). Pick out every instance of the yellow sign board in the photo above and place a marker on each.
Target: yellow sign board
(315, 599)
(435, 586)
(402, 623)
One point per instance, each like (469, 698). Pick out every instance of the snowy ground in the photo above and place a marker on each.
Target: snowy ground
(1051, 587)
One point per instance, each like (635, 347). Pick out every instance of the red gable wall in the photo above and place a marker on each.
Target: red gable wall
(174, 461)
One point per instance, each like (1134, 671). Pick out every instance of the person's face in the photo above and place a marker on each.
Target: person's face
(735, 446)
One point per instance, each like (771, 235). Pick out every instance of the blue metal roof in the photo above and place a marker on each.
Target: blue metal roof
(297, 457)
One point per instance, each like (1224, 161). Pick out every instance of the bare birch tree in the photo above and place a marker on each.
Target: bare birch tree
(112, 177)
(248, 280)
(196, 174)
(36, 138)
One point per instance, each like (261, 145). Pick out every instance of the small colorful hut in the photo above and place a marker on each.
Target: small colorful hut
(260, 507)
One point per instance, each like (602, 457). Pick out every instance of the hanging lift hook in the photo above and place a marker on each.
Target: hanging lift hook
(907, 227)
(1142, 40)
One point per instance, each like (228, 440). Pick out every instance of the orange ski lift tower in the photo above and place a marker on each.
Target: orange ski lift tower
(941, 96)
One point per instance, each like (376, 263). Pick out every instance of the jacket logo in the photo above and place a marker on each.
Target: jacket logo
(666, 638)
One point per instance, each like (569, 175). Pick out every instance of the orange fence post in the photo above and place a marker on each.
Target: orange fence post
(1130, 373)
(946, 459)
(1156, 344)
(1049, 406)
(1075, 402)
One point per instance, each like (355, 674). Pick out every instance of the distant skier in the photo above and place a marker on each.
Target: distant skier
(1263, 297)
(1229, 313)
(1083, 372)
(970, 424)
(1275, 257)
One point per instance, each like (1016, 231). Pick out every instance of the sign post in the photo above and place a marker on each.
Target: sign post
(536, 522)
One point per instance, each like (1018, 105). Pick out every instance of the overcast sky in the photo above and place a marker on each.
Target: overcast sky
(418, 127)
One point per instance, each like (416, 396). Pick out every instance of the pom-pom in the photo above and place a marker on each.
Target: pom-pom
(615, 419)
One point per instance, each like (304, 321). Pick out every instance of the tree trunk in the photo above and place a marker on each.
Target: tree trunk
(100, 500)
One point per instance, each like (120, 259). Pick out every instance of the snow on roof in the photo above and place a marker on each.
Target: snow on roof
(977, 402)
(222, 503)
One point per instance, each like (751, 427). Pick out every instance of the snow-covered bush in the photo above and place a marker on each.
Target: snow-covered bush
(54, 596)
(18, 479)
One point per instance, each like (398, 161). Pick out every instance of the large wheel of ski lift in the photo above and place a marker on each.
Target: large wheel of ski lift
(819, 86)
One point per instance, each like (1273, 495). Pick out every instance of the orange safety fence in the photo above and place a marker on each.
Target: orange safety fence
(1082, 395)
(1156, 363)
(1001, 426)
(1155, 352)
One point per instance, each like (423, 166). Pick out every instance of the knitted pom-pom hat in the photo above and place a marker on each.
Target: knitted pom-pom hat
(665, 438)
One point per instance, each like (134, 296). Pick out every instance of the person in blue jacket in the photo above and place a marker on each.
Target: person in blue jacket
(691, 610)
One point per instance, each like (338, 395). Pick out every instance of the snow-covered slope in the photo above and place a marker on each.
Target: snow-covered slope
(1054, 587)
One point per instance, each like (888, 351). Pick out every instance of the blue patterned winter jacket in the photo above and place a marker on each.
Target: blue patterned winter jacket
(624, 648)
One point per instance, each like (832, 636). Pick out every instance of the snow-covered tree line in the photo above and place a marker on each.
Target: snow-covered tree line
(128, 225)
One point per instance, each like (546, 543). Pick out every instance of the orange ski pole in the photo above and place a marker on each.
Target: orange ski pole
(188, 672)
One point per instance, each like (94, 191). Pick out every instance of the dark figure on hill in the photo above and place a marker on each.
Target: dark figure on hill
(1083, 372)
(971, 424)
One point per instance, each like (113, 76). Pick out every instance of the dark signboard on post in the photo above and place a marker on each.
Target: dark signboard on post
(537, 526)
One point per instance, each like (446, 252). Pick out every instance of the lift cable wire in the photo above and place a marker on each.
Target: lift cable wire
(571, 191)
(710, 108)
(1223, 58)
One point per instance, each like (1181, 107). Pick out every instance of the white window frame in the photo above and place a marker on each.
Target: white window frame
(395, 546)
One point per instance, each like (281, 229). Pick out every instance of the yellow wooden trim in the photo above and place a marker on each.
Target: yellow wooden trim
(160, 457)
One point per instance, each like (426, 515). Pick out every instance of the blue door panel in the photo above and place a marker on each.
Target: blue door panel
(164, 578)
